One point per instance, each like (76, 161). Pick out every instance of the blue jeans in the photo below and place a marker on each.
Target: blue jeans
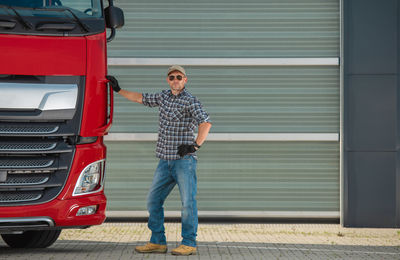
(167, 174)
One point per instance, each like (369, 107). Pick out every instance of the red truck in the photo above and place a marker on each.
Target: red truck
(55, 108)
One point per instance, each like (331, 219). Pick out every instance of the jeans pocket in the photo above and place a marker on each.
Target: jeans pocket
(187, 157)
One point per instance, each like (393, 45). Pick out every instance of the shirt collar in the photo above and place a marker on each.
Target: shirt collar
(182, 93)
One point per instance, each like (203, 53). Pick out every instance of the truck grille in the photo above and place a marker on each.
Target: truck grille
(7, 197)
(33, 169)
(37, 147)
(26, 179)
(25, 163)
(40, 130)
(27, 146)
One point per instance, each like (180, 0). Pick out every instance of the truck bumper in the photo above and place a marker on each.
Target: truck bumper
(61, 212)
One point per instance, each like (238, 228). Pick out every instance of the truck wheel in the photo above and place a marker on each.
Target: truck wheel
(32, 239)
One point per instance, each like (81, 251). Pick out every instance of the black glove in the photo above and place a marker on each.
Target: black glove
(184, 149)
(114, 83)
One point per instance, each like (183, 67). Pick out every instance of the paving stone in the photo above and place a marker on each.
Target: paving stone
(222, 241)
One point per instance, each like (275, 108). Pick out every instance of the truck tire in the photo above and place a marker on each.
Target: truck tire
(32, 239)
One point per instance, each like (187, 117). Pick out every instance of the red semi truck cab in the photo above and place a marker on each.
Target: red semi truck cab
(55, 108)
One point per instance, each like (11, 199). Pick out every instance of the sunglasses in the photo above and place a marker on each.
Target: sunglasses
(172, 77)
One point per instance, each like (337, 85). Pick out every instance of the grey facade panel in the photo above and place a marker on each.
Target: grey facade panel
(372, 32)
(371, 170)
(372, 111)
(372, 189)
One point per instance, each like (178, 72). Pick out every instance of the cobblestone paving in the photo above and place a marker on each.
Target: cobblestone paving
(223, 241)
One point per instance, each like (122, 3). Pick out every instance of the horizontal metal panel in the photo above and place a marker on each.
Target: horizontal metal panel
(223, 61)
(255, 28)
(234, 176)
(240, 99)
(230, 137)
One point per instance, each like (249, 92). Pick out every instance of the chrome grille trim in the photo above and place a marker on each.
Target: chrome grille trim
(29, 171)
(42, 96)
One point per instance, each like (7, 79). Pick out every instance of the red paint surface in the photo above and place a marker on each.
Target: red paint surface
(42, 55)
(95, 101)
(75, 56)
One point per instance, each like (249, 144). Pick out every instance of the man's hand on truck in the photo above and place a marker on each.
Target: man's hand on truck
(114, 83)
(131, 95)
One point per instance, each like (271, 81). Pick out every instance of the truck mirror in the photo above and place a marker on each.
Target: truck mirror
(114, 17)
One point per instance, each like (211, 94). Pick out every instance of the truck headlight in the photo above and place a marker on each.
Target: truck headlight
(91, 179)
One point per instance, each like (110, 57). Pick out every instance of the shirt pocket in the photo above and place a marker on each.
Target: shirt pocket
(176, 114)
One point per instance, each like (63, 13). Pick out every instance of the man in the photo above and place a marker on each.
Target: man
(179, 114)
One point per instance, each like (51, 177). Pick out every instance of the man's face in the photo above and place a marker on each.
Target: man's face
(176, 81)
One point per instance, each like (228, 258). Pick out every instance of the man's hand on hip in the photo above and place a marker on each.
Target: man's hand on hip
(184, 149)
(114, 83)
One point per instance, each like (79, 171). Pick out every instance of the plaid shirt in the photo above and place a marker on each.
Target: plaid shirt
(178, 118)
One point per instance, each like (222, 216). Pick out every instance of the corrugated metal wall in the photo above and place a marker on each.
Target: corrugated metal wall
(241, 99)
(234, 28)
(277, 176)
(253, 99)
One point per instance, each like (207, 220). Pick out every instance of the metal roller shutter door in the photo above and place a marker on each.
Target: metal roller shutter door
(234, 28)
(258, 99)
(249, 100)
(234, 176)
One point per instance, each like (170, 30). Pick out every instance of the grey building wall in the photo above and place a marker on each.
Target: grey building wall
(371, 114)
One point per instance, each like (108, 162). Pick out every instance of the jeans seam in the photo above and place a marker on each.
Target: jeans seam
(193, 197)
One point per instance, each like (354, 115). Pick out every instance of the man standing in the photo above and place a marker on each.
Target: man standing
(179, 115)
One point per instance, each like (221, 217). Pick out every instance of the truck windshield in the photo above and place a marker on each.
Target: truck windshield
(37, 8)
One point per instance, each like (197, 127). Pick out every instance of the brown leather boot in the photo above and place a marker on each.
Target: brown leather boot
(151, 248)
(184, 250)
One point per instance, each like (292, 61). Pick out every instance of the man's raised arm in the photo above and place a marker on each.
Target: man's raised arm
(132, 96)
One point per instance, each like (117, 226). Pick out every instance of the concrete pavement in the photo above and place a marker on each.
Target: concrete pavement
(223, 241)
